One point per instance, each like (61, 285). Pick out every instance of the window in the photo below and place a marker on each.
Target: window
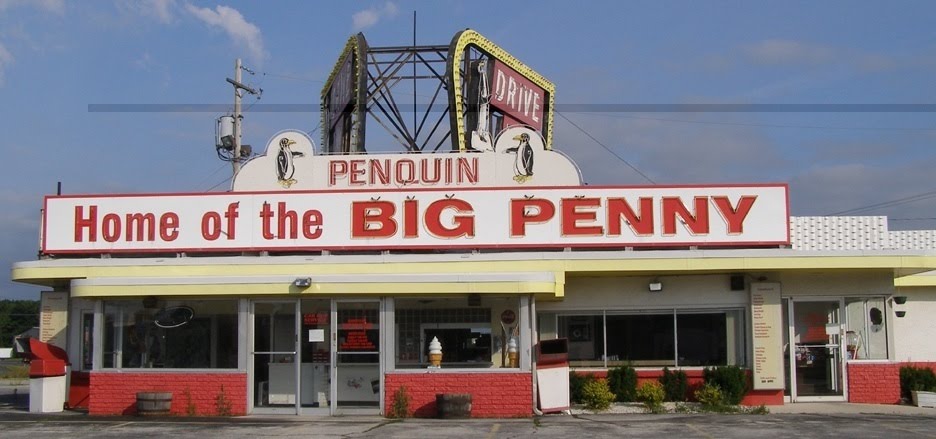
(866, 331)
(182, 334)
(651, 338)
(472, 335)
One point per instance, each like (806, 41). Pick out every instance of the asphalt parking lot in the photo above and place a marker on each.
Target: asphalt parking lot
(846, 421)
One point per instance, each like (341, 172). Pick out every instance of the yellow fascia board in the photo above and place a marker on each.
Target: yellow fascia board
(40, 274)
(324, 289)
(915, 281)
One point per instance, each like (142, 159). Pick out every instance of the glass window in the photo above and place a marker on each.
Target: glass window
(866, 332)
(641, 339)
(159, 333)
(586, 339)
(650, 339)
(474, 333)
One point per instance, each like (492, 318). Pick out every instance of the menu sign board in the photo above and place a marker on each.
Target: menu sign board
(53, 317)
(767, 321)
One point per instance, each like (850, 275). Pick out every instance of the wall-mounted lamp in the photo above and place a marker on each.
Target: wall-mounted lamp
(900, 313)
(655, 286)
(900, 300)
(302, 282)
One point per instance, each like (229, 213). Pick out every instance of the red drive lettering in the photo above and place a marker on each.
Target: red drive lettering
(580, 209)
(529, 210)
(372, 219)
(463, 224)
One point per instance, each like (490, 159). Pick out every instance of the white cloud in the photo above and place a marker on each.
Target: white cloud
(5, 60)
(371, 16)
(237, 28)
(53, 6)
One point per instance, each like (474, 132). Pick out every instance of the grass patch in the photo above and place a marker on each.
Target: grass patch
(16, 373)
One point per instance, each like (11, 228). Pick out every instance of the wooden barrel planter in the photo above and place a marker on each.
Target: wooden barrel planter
(154, 403)
(453, 405)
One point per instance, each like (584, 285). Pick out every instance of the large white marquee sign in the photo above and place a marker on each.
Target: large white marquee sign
(533, 217)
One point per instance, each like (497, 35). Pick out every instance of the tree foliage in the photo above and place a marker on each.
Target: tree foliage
(16, 316)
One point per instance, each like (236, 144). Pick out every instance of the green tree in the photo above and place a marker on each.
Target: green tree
(16, 316)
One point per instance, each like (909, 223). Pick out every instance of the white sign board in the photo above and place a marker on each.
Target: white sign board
(596, 217)
(766, 318)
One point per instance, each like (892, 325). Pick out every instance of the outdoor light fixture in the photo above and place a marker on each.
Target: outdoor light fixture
(655, 286)
(900, 300)
(302, 282)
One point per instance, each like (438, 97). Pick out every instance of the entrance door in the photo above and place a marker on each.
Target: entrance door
(274, 357)
(815, 360)
(356, 377)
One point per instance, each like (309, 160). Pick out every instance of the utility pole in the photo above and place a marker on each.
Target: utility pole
(238, 117)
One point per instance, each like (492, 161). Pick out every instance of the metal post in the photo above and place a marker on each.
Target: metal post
(235, 163)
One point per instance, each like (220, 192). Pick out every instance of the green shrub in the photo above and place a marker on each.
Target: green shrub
(709, 395)
(731, 380)
(675, 384)
(916, 378)
(651, 393)
(623, 383)
(223, 405)
(596, 396)
(576, 383)
(401, 404)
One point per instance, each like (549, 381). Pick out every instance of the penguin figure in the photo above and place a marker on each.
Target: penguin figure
(523, 165)
(284, 162)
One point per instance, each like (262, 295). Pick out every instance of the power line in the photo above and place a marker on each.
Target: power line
(293, 78)
(226, 179)
(767, 125)
(607, 148)
(891, 203)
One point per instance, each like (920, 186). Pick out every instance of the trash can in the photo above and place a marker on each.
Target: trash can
(47, 376)
(552, 375)
(453, 405)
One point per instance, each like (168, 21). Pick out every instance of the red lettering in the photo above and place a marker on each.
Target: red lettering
(372, 219)
(266, 215)
(357, 172)
(110, 227)
(411, 219)
(169, 226)
(312, 224)
(580, 209)
(463, 224)
(211, 226)
(533, 210)
(336, 169)
(734, 216)
(380, 171)
(405, 172)
(286, 222)
(231, 216)
(89, 223)
(697, 224)
(143, 224)
(641, 225)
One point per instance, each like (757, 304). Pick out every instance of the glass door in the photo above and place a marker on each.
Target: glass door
(356, 377)
(815, 360)
(274, 357)
(315, 367)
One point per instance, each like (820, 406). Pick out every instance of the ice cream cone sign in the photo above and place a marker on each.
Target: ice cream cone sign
(435, 353)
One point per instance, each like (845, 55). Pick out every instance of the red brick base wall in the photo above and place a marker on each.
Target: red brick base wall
(493, 395)
(877, 383)
(114, 393)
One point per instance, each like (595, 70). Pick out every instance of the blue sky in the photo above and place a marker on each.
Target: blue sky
(57, 57)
